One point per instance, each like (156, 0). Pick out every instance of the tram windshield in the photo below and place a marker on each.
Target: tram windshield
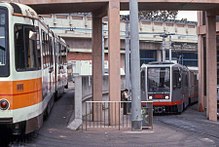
(3, 43)
(158, 79)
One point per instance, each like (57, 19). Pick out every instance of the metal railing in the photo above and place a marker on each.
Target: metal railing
(114, 115)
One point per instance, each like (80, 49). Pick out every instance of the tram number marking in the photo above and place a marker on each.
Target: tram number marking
(20, 87)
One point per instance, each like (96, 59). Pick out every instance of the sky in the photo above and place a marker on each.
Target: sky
(190, 15)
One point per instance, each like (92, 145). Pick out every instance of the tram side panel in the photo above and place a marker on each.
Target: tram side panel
(48, 72)
(27, 61)
(185, 87)
(60, 70)
(25, 66)
(177, 88)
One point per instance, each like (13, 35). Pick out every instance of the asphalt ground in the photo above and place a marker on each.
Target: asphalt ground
(190, 129)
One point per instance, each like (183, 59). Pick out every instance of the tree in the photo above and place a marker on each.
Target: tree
(163, 15)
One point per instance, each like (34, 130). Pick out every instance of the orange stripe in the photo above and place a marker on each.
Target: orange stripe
(167, 103)
(22, 93)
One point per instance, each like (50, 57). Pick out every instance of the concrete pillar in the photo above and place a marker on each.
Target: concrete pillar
(200, 66)
(97, 65)
(76, 118)
(211, 57)
(114, 59)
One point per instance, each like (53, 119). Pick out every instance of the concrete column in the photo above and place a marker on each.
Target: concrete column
(114, 59)
(211, 57)
(97, 65)
(76, 118)
(200, 66)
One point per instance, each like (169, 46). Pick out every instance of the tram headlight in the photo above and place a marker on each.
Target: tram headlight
(4, 104)
(167, 97)
(150, 97)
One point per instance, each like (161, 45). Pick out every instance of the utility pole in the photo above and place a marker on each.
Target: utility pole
(135, 66)
(127, 52)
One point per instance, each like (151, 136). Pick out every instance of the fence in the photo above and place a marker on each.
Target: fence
(114, 115)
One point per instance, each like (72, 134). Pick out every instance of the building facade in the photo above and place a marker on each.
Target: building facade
(181, 38)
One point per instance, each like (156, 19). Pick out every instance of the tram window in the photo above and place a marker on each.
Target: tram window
(60, 55)
(26, 48)
(186, 80)
(63, 52)
(176, 79)
(2, 46)
(43, 34)
(45, 48)
(143, 80)
(195, 79)
(2, 39)
(38, 49)
(158, 79)
(19, 47)
(50, 51)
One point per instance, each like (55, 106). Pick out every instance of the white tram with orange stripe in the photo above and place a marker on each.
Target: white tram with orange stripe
(171, 86)
(33, 68)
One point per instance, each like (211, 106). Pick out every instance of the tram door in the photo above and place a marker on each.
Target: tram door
(51, 65)
(56, 65)
(45, 49)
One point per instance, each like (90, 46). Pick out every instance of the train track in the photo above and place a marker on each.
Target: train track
(191, 125)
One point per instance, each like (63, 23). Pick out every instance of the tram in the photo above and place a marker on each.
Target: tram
(33, 68)
(171, 86)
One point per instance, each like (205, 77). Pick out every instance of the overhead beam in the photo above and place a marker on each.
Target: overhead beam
(67, 6)
(101, 12)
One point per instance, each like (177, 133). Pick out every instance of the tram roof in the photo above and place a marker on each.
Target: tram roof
(21, 9)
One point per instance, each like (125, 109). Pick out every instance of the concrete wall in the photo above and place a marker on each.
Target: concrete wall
(87, 86)
(79, 37)
(83, 92)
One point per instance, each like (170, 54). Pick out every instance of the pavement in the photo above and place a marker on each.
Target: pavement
(190, 129)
